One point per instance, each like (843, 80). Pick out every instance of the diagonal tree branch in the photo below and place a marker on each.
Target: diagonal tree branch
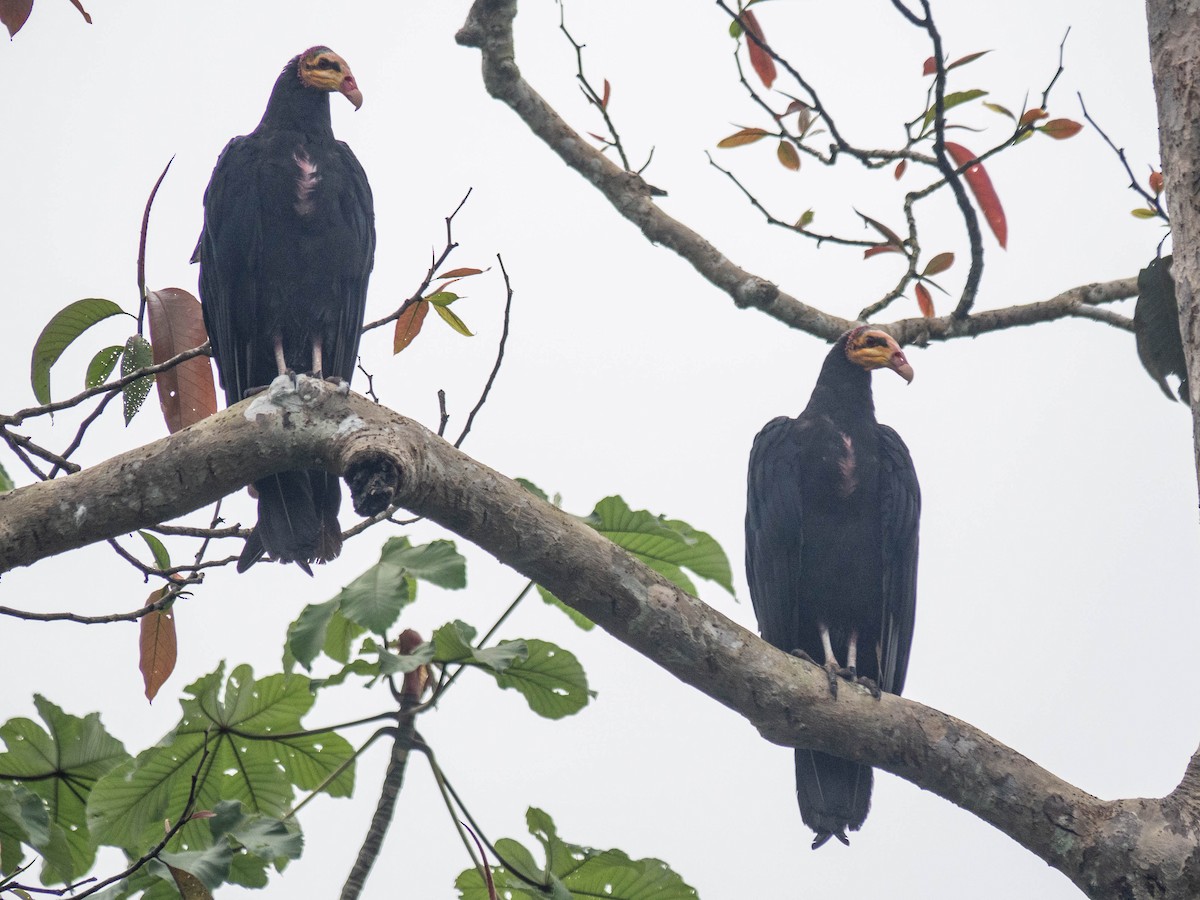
(489, 28)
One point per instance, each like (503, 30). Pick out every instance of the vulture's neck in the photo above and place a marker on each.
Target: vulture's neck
(294, 107)
(843, 389)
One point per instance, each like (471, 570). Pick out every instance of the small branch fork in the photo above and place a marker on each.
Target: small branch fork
(488, 27)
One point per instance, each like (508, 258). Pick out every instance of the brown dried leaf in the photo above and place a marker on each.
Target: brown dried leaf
(157, 646)
(925, 301)
(83, 12)
(969, 58)
(460, 273)
(1156, 182)
(743, 137)
(190, 887)
(607, 94)
(13, 14)
(929, 66)
(760, 59)
(186, 393)
(788, 156)
(1061, 129)
(408, 326)
(939, 264)
(1032, 115)
(900, 167)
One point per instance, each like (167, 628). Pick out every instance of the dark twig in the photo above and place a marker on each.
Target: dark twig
(25, 449)
(499, 358)
(443, 416)
(1151, 199)
(419, 293)
(590, 92)
(141, 259)
(174, 590)
(370, 381)
(1061, 68)
(87, 423)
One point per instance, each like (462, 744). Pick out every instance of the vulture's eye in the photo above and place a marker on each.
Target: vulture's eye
(326, 63)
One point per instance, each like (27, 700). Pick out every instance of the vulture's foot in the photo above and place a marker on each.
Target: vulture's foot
(870, 684)
(823, 836)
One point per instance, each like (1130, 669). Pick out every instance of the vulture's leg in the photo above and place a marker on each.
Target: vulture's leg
(316, 358)
(280, 362)
(832, 668)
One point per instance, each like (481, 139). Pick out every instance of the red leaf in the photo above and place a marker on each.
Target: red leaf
(892, 237)
(794, 106)
(607, 94)
(408, 326)
(13, 14)
(83, 12)
(969, 58)
(1061, 129)
(185, 393)
(788, 156)
(938, 264)
(900, 167)
(157, 646)
(1032, 115)
(880, 248)
(460, 273)
(930, 66)
(743, 137)
(985, 195)
(925, 301)
(1156, 182)
(760, 59)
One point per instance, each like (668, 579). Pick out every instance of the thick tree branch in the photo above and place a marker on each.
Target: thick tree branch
(1091, 841)
(489, 28)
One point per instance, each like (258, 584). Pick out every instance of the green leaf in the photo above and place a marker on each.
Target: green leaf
(805, 219)
(550, 678)
(403, 663)
(454, 643)
(137, 355)
(364, 667)
(997, 108)
(374, 599)
(6, 482)
(23, 820)
(574, 871)
(102, 365)
(66, 325)
(437, 562)
(573, 614)
(666, 545)
(162, 558)
(128, 806)
(956, 98)
(210, 866)
(453, 321)
(442, 298)
(306, 636)
(735, 29)
(267, 838)
(1143, 213)
(61, 764)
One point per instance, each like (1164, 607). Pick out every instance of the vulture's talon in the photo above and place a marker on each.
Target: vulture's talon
(871, 685)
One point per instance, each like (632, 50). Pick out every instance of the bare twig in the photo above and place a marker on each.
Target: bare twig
(141, 258)
(1151, 199)
(599, 100)
(495, 368)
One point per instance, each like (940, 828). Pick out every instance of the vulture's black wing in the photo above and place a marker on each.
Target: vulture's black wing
(357, 211)
(900, 508)
(774, 532)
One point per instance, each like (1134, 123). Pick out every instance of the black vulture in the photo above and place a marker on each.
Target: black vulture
(285, 253)
(831, 552)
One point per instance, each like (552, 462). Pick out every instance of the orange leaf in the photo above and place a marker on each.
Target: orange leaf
(1061, 129)
(408, 326)
(930, 66)
(969, 58)
(925, 301)
(157, 645)
(460, 273)
(985, 195)
(788, 156)
(185, 393)
(760, 59)
(1032, 115)
(743, 137)
(880, 248)
(900, 167)
(1156, 182)
(607, 94)
(13, 14)
(938, 264)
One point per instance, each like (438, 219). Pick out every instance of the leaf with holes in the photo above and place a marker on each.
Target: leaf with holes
(65, 326)
(788, 157)
(408, 325)
(137, 355)
(981, 186)
(760, 59)
(549, 677)
(925, 301)
(1061, 129)
(157, 645)
(61, 763)
(573, 871)
(939, 264)
(186, 393)
(743, 137)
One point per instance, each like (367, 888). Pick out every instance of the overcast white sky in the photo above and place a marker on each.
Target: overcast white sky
(1057, 601)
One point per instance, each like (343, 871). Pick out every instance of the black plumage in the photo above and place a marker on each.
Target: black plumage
(285, 254)
(1156, 327)
(831, 552)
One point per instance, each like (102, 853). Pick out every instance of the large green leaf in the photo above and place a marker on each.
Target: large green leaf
(550, 678)
(454, 643)
(666, 545)
(23, 820)
(306, 636)
(61, 764)
(574, 871)
(437, 562)
(60, 331)
(244, 762)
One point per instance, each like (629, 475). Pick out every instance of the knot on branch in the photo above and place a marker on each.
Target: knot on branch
(374, 481)
(756, 292)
